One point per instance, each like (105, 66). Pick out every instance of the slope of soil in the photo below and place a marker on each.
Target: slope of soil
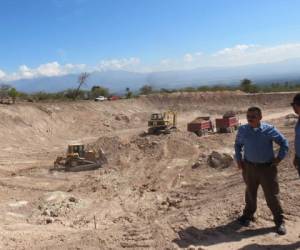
(151, 194)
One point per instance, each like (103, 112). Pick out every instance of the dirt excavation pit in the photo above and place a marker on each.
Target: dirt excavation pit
(165, 191)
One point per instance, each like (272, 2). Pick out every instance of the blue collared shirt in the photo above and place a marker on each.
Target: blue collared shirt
(257, 143)
(297, 138)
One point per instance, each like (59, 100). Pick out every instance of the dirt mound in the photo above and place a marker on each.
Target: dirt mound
(138, 148)
(114, 148)
(55, 206)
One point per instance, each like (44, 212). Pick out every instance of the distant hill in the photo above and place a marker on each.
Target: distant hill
(118, 80)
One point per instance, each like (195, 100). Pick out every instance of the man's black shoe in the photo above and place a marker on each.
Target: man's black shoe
(280, 229)
(244, 220)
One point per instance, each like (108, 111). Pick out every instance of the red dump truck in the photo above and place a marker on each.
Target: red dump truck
(227, 124)
(201, 125)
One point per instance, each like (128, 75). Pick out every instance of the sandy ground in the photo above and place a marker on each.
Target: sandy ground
(150, 195)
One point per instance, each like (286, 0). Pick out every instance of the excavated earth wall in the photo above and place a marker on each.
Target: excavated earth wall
(156, 192)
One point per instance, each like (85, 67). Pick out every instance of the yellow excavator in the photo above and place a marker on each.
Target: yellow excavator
(79, 159)
(162, 122)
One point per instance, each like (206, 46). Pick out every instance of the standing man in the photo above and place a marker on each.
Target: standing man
(296, 106)
(259, 165)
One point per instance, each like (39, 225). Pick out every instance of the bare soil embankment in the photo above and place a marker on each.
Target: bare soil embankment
(151, 195)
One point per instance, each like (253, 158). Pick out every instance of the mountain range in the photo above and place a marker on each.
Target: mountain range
(118, 80)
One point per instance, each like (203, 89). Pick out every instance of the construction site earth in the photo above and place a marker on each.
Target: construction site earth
(163, 191)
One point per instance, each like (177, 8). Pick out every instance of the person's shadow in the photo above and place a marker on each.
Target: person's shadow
(211, 236)
(292, 246)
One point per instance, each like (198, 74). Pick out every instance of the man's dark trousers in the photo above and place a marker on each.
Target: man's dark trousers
(298, 164)
(266, 176)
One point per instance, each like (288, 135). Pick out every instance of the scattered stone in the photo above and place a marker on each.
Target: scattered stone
(291, 120)
(122, 117)
(18, 204)
(291, 116)
(56, 204)
(46, 212)
(202, 156)
(173, 202)
(71, 188)
(118, 118)
(197, 164)
(106, 124)
(220, 160)
(72, 199)
(49, 220)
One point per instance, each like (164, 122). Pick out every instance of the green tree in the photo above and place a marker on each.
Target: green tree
(247, 86)
(188, 89)
(82, 78)
(70, 93)
(4, 88)
(146, 90)
(98, 90)
(13, 93)
(164, 90)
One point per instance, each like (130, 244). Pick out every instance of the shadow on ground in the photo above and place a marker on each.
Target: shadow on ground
(292, 246)
(221, 234)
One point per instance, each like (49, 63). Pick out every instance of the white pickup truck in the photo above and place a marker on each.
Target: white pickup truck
(100, 99)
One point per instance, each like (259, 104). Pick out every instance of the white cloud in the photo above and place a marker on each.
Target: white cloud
(117, 64)
(2, 74)
(238, 49)
(44, 70)
(253, 54)
(56, 69)
(188, 58)
(191, 57)
(240, 54)
(165, 62)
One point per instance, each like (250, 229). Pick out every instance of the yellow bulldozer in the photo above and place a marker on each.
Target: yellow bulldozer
(162, 122)
(79, 159)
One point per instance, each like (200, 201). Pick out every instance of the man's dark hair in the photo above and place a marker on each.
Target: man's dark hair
(255, 109)
(296, 100)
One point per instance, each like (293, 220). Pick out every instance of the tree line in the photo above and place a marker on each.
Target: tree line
(78, 93)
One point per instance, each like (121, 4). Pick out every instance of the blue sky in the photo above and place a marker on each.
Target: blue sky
(38, 36)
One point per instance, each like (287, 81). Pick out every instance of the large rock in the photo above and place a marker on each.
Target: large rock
(122, 117)
(220, 160)
(291, 120)
(291, 116)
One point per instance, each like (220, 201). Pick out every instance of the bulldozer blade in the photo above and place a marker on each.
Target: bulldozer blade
(86, 167)
(102, 157)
